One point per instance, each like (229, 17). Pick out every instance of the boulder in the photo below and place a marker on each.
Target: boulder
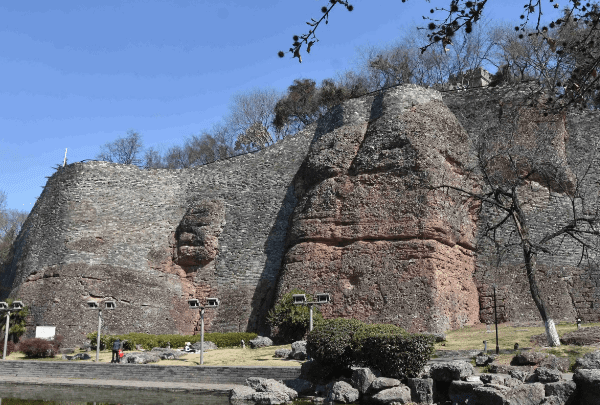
(208, 345)
(552, 400)
(141, 357)
(497, 379)
(461, 392)
(421, 390)
(382, 383)
(528, 358)
(302, 387)
(396, 395)
(526, 394)
(79, 356)
(241, 393)
(270, 398)
(167, 354)
(517, 374)
(283, 353)
(362, 379)
(491, 394)
(340, 391)
(451, 370)
(590, 361)
(565, 391)
(547, 375)
(260, 341)
(561, 364)
(582, 337)
(588, 386)
(512, 382)
(481, 361)
(299, 350)
(268, 385)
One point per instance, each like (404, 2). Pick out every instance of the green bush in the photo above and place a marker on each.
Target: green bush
(330, 342)
(397, 355)
(371, 330)
(290, 322)
(148, 341)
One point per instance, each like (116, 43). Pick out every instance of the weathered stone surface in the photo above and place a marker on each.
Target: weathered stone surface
(491, 394)
(340, 391)
(547, 375)
(79, 356)
(497, 379)
(517, 374)
(362, 211)
(299, 350)
(552, 400)
(561, 364)
(421, 390)
(484, 360)
(267, 385)
(283, 353)
(399, 394)
(270, 398)
(167, 354)
(526, 394)
(461, 392)
(362, 378)
(198, 233)
(208, 345)
(140, 357)
(563, 390)
(451, 370)
(590, 361)
(528, 358)
(241, 393)
(382, 383)
(588, 382)
(582, 337)
(301, 386)
(260, 341)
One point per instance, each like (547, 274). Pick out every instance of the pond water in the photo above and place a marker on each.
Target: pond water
(13, 394)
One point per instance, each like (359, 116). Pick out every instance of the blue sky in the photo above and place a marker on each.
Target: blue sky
(78, 75)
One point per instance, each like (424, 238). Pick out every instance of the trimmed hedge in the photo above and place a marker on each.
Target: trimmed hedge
(148, 341)
(343, 343)
(399, 355)
(330, 342)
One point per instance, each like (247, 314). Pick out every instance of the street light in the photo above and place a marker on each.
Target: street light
(193, 303)
(16, 306)
(320, 298)
(94, 305)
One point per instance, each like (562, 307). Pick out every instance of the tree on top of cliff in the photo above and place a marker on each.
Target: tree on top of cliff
(583, 82)
(123, 150)
(532, 200)
(11, 221)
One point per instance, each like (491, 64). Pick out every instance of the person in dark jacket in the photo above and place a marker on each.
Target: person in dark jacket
(115, 351)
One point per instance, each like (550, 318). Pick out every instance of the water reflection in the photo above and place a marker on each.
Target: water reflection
(21, 394)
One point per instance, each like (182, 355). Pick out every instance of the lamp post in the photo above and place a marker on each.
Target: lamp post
(496, 321)
(16, 306)
(95, 305)
(195, 304)
(320, 298)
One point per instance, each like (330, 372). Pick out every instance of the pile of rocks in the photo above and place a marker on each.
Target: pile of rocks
(298, 351)
(536, 379)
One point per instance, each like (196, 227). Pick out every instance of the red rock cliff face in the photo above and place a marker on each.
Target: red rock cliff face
(366, 229)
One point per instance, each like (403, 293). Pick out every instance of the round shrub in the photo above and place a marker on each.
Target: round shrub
(372, 330)
(36, 348)
(10, 347)
(330, 342)
(290, 322)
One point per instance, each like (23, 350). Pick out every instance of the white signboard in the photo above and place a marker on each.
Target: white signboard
(45, 332)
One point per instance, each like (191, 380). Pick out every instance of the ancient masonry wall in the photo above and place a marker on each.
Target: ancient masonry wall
(571, 289)
(101, 230)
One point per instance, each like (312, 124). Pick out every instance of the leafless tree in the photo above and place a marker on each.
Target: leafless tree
(11, 221)
(123, 150)
(524, 180)
(153, 159)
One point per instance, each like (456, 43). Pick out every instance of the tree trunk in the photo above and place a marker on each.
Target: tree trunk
(530, 266)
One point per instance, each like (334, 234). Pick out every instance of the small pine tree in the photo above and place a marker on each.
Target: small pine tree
(290, 322)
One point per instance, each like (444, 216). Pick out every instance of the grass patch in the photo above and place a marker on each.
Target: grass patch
(472, 337)
(220, 357)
